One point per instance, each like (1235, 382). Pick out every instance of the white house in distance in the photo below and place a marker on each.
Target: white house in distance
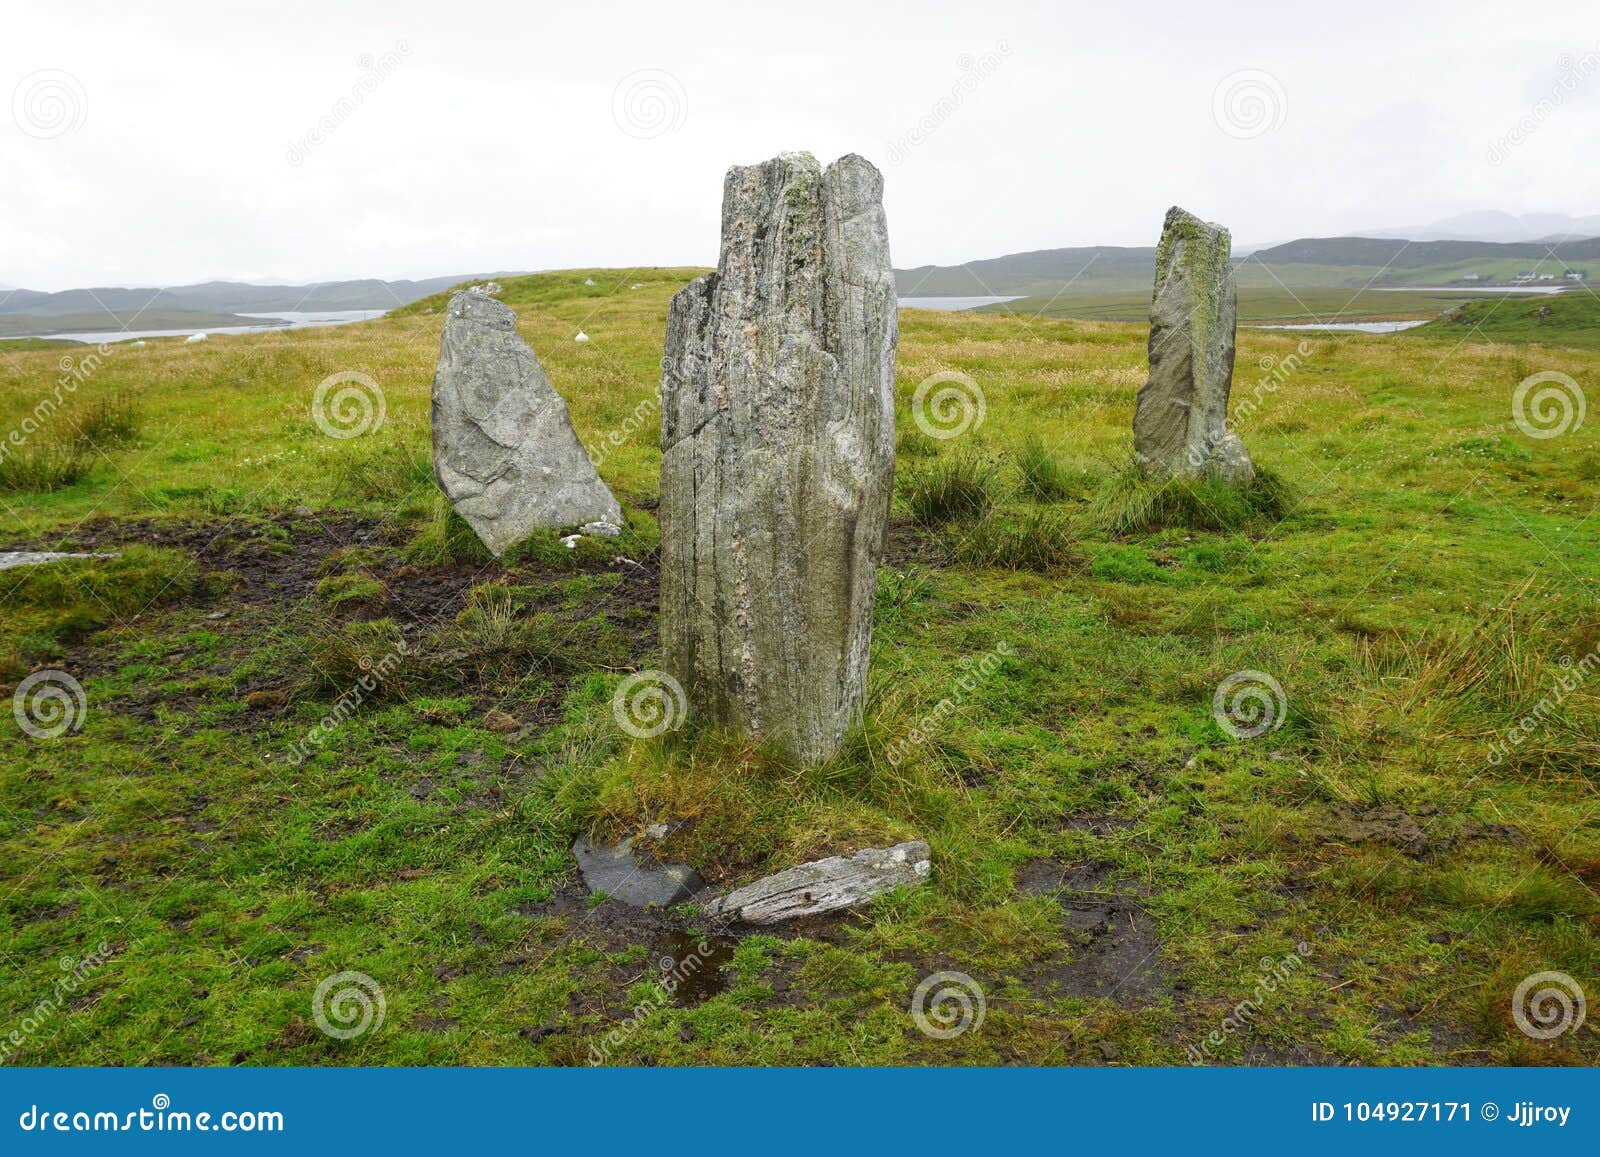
(1471, 277)
(1573, 275)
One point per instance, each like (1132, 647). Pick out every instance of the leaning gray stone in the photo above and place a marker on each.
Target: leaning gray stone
(614, 871)
(826, 885)
(504, 449)
(1180, 425)
(777, 438)
(11, 558)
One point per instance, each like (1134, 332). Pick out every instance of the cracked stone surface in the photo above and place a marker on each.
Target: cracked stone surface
(777, 438)
(826, 885)
(1180, 424)
(504, 450)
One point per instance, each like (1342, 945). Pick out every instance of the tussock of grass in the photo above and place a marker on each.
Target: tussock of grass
(442, 536)
(1042, 540)
(353, 592)
(388, 474)
(1042, 476)
(1128, 503)
(110, 422)
(41, 467)
(957, 488)
(747, 811)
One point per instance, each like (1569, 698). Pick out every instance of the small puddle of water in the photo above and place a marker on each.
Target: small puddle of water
(694, 964)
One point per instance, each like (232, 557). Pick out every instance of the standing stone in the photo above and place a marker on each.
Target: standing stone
(504, 449)
(1180, 423)
(777, 438)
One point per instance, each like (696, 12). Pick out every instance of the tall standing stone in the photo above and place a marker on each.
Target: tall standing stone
(777, 438)
(504, 450)
(1180, 424)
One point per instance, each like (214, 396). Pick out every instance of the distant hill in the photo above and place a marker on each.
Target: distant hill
(1026, 273)
(226, 297)
(1400, 254)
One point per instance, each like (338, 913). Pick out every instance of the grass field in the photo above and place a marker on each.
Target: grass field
(1571, 319)
(1127, 874)
(1290, 304)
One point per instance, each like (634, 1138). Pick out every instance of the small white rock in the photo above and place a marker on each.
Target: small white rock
(581, 336)
(601, 529)
(571, 541)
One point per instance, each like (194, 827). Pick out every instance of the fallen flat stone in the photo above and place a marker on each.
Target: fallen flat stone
(826, 885)
(614, 871)
(777, 440)
(504, 450)
(1180, 424)
(11, 558)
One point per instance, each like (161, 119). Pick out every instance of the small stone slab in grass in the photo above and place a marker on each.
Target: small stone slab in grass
(826, 885)
(614, 871)
(11, 558)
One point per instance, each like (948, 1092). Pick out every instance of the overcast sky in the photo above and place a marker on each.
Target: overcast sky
(302, 142)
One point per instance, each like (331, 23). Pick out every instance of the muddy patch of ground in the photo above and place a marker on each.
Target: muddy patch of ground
(1115, 954)
(272, 568)
(1421, 834)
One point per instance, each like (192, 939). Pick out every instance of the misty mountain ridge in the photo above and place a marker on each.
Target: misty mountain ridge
(1495, 225)
(228, 297)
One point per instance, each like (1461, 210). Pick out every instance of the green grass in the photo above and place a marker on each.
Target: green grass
(325, 732)
(1570, 320)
